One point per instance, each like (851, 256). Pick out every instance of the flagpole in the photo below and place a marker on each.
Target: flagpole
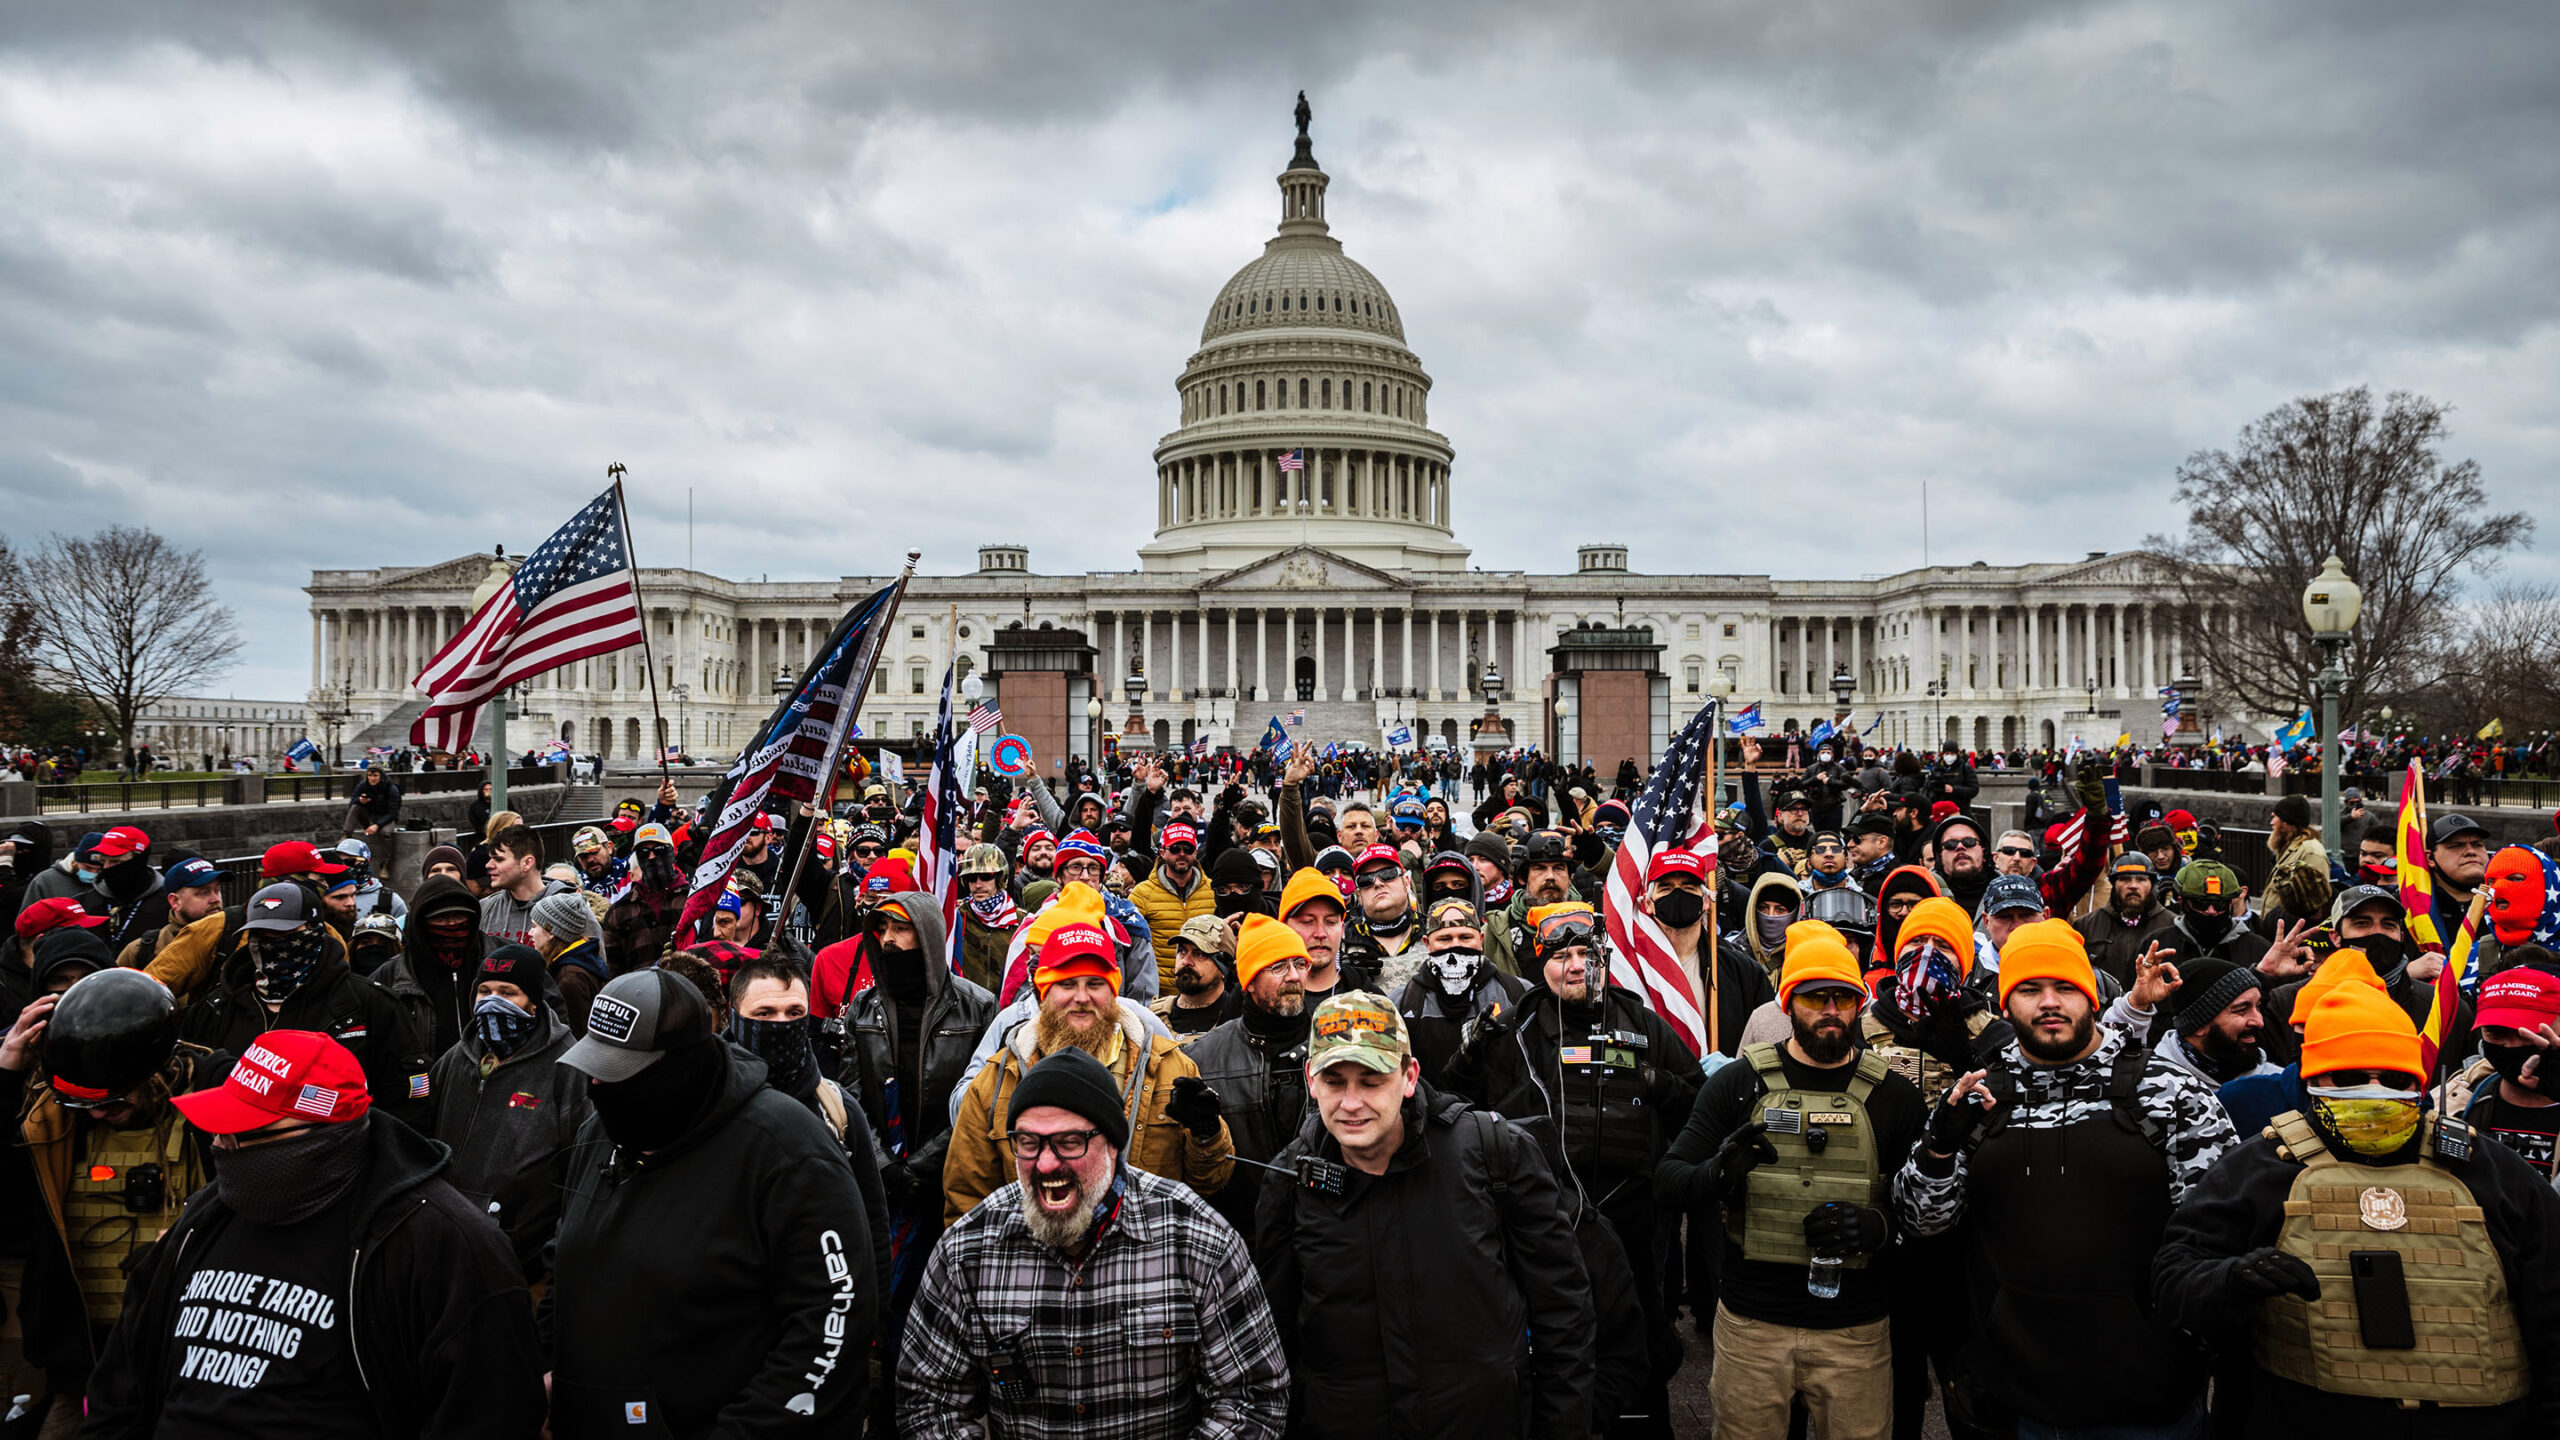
(648, 660)
(851, 701)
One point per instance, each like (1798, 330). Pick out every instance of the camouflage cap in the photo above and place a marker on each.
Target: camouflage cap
(1358, 1026)
(1208, 934)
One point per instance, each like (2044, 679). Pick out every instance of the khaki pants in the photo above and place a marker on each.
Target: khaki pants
(1845, 1376)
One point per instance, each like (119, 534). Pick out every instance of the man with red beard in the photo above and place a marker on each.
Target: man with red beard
(1090, 1297)
(1175, 1125)
(1749, 1146)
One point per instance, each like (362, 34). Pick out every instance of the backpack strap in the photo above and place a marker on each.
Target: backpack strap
(2004, 1088)
(2124, 1086)
(831, 1102)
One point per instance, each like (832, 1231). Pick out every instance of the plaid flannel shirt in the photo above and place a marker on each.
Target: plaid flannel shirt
(1163, 1332)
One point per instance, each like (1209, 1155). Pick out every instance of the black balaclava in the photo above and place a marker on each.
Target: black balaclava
(900, 973)
(287, 1181)
(661, 1105)
(657, 866)
(785, 1046)
(127, 882)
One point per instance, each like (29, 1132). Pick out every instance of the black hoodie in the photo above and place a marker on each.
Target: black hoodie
(35, 851)
(437, 1310)
(437, 998)
(752, 1225)
(1966, 891)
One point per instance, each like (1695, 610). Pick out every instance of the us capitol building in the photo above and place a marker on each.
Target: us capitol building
(1336, 586)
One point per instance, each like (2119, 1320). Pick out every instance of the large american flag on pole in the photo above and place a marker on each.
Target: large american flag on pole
(1669, 815)
(940, 813)
(786, 760)
(576, 596)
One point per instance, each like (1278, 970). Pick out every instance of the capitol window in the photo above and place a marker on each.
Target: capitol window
(1328, 394)
(1364, 394)
(1302, 392)
(1257, 395)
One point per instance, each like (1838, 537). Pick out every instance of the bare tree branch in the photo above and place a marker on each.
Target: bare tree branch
(2329, 475)
(128, 620)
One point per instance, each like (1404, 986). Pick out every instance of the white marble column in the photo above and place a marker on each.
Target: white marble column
(1147, 650)
(1262, 652)
(1433, 645)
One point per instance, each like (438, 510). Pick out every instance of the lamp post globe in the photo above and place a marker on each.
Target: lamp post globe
(2331, 605)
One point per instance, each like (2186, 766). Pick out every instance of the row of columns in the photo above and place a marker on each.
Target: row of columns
(1406, 646)
(1249, 484)
(2127, 649)
(379, 647)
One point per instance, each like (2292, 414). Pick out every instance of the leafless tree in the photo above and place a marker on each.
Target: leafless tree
(128, 619)
(18, 635)
(2503, 664)
(2329, 475)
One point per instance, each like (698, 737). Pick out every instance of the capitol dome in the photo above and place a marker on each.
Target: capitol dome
(1304, 419)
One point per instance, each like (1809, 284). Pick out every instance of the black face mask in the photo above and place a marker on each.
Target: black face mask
(785, 1048)
(1680, 909)
(287, 1181)
(502, 1026)
(1229, 906)
(658, 868)
(659, 1106)
(127, 882)
(2509, 1061)
(281, 960)
(901, 973)
(2208, 928)
(2388, 956)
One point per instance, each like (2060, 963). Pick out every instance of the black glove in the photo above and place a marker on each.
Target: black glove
(1952, 1128)
(1841, 1229)
(1734, 1160)
(899, 1178)
(1482, 1034)
(2267, 1272)
(1194, 1105)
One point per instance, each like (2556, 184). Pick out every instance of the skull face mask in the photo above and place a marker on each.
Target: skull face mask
(1454, 969)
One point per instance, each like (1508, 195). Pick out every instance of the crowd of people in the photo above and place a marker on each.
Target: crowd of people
(1249, 1097)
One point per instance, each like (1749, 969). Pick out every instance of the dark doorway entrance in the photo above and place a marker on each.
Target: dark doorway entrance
(1306, 677)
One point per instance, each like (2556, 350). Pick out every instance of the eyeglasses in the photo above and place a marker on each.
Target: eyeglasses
(1378, 879)
(866, 852)
(1065, 1144)
(2016, 853)
(1966, 842)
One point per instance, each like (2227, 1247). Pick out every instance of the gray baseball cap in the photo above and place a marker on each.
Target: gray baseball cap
(2356, 897)
(2010, 892)
(634, 1021)
(281, 906)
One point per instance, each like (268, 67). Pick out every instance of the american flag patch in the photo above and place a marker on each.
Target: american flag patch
(352, 1032)
(417, 1087)
(316, 1100)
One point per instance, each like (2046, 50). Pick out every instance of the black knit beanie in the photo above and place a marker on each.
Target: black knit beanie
(1075, 1082)
(2205, 986)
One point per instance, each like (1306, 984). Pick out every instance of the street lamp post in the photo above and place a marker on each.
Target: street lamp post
(1563, 710)
(1093, 732)
(1937, 712)
(1843, 685)
(2331, 603)
(1719, 685)
(2090, 684)
(684, 727)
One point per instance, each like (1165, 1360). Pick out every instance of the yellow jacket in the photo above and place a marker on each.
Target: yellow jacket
(1166, 912)
(979, 1162)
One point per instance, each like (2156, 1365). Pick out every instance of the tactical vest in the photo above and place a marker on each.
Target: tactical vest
(1842, 1165)
(1928, 1074)
(2469, 1350)
(102, 1231)
(1604, 1113)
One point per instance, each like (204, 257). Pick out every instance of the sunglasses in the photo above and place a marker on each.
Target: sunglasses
(2016, 853)
(1960, 843)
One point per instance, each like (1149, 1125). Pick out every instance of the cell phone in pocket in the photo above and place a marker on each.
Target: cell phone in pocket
(2382, 1300)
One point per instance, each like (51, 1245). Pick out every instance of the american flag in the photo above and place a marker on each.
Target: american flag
(986, 719)
(576, 596)
(940, 815)
(782, 763)
(1293, 459)
(1669, 815)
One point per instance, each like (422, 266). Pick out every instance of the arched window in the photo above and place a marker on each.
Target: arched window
(1222, 399)
(1328, 394)
(1364, 395)
(1302, 299)
(1302, 392)
(1258, 401)
(1284, 302)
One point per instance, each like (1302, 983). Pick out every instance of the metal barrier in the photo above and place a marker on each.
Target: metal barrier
(82, 797)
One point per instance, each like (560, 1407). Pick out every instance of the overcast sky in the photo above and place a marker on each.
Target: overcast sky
(383, 284)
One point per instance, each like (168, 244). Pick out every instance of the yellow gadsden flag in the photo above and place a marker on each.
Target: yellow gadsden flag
(2493, 729)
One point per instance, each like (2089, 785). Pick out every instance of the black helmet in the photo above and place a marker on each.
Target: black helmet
(110, 1032)
(1546, 847)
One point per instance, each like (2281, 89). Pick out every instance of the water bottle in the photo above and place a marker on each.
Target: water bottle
(1822, 1277)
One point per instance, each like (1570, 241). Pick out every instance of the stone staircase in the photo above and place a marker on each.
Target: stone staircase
(1328, 721)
